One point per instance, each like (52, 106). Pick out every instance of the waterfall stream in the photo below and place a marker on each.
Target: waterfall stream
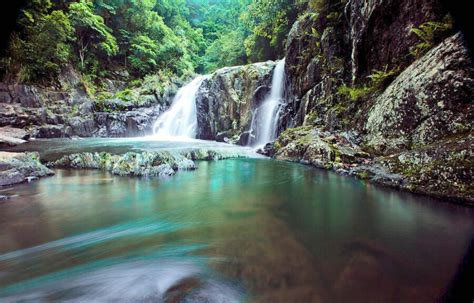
(180, 120)
(265, 118)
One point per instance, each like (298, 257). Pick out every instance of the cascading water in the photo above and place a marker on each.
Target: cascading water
(265, 119)
(180, 119)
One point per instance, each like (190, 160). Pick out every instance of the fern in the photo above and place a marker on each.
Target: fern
(429, 34)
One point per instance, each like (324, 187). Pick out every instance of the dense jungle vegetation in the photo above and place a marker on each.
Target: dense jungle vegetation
(134, 38)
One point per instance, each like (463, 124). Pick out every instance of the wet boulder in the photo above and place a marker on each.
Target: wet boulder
(226, 99)
(20, 167)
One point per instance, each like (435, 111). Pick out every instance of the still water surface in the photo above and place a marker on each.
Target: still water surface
(244, 230)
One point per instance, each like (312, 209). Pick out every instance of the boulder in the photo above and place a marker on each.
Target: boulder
(319, 148)
(20, 167)
(5, 97)
(82, 127)
(13, 136)
(50, 131)
(225, 100)
(142, 164)
(430, 100)
(26, 95)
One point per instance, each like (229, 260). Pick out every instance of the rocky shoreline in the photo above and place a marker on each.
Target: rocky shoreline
(20, 167)
(417, 171)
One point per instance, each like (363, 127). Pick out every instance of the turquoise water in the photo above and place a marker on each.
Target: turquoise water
(240, 230)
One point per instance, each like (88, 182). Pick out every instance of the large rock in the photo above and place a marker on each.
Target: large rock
(13, 136)
(137, 122)
(380, 31)
(430, 100)
(144, 164)
(225, 100)
(82, 127)
(442, 169)
(50, 131)
(20, 167)
(321, 149)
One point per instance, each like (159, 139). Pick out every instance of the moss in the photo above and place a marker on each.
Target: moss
(89, 86)
(379, 79)
(354, 93)
(124, 94)
(310, 118)
(364, 175)
(102, 96)
(74, 110)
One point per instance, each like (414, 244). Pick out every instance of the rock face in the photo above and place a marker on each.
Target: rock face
(49, 113)
(430, 100)
(20, 167)
(225, 101)
(412, 129)
(380, 31)
(133, 123)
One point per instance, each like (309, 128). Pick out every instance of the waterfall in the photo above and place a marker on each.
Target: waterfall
(264, 124)
(180, 120)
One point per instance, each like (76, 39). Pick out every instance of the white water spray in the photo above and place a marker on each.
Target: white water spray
(265, 120)
(180, 120)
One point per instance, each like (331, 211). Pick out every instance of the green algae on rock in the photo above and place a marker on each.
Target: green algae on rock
(21, 167)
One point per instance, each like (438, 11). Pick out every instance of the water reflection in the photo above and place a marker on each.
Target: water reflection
(283, 232)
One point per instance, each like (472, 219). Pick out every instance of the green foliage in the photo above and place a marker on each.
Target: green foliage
(43, 49)
(379, 79)
(317, 5)
(126, 95)
(144, 53)
(269, 23)
(229, 44)
(90, 87)
(93, 37)
(429, 34)
(101, 38)
(354, 93)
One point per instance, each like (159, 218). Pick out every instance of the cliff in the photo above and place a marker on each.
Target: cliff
(375, 102)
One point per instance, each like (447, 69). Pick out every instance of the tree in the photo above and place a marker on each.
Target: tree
(43, 47)
(229, 44)
(91, 32)
(269, 22)
(144, 53)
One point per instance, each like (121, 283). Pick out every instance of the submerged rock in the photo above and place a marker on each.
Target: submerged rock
(443, 169)
(20, 167)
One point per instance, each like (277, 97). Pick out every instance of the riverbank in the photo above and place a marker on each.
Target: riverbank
(440, 170)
